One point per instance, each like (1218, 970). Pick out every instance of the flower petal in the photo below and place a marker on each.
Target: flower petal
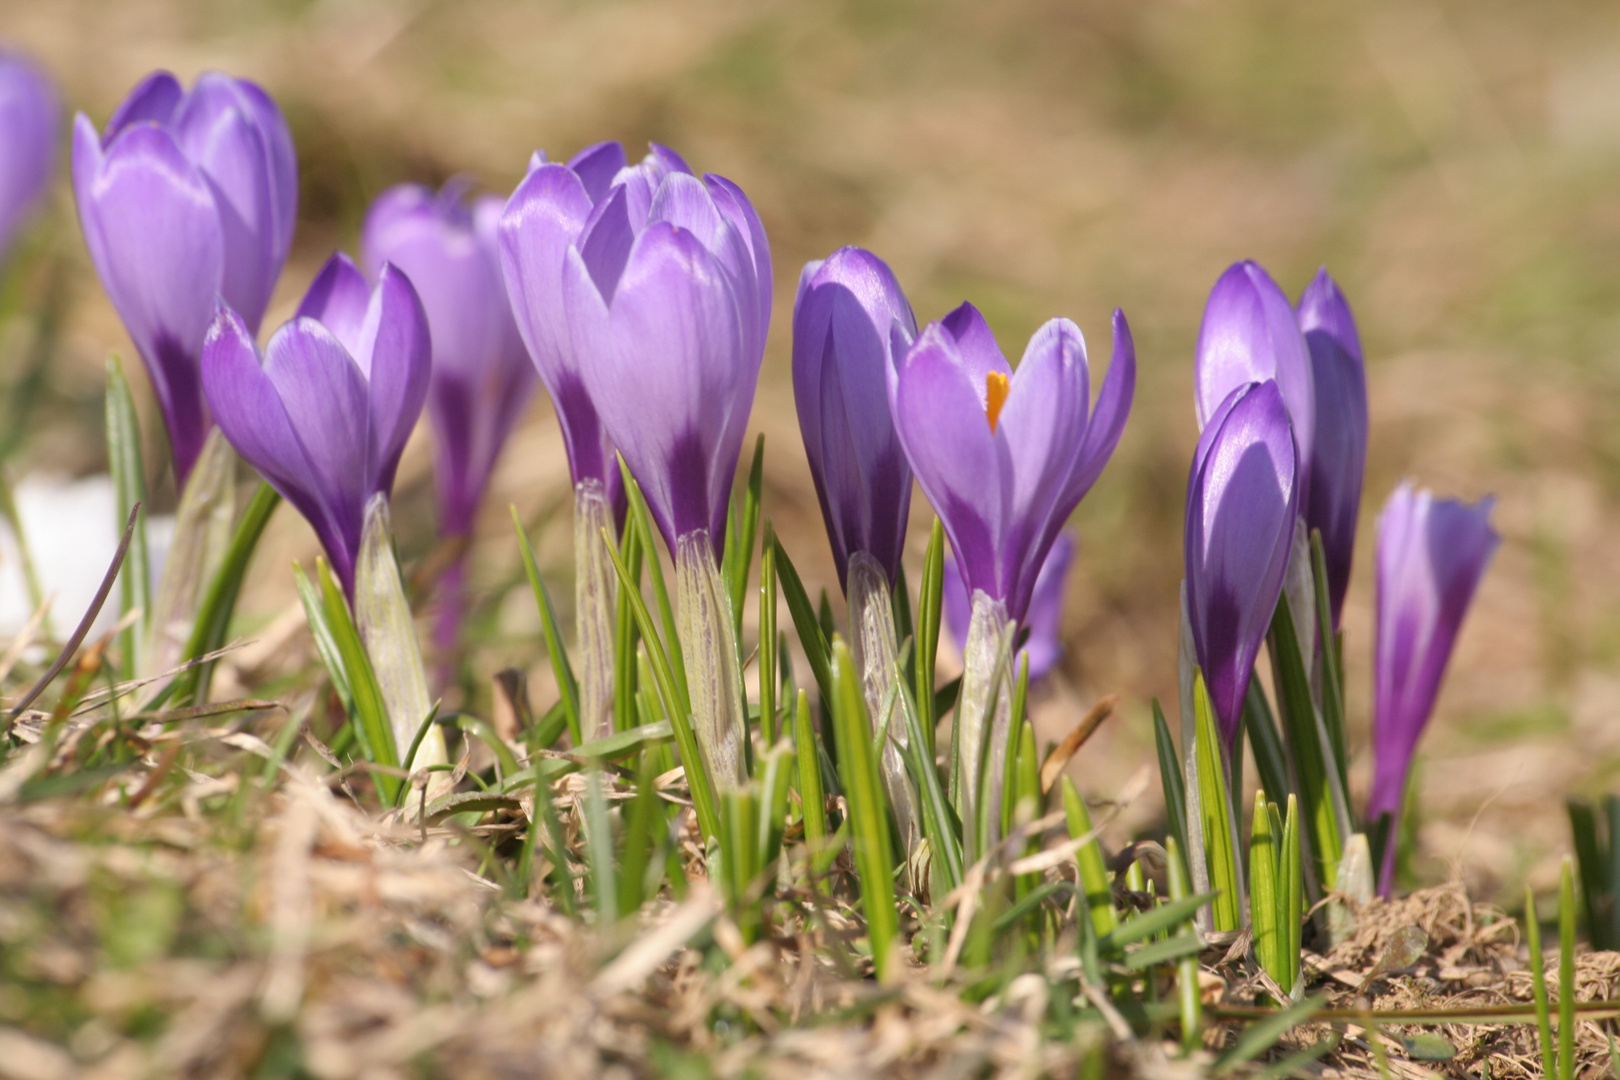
(400, 367)
(338, 299)
(596, 166)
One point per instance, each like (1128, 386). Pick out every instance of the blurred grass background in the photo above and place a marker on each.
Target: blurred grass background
(1453, 164)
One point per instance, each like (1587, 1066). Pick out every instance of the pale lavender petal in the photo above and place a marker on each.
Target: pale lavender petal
(400, 368)
(1108, 418)
(29, 114)
(605, 241)
(976, 344)
(338, 299)
(596, 166)
(1241, 504)
(153, 233)
(153, 100)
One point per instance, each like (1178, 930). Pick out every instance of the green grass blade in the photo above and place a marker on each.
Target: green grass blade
(1170, 778)
(675, 705)
(1189, 1004)
(929, 606)
(1095, 882)
(599, 851)
(769, 672)
(741, 534)
(372, 728)
(567, 686)
(641, 821)
(128, 469)
(1270, 759)
(1261, 1036)
(812, 797)
(1220, 848)
(868, 811)
(640, 518)
(940, 826)
(811, 638)
(1265, 899)
(626, 635)
(1566, 972)
(1292, 911)
(1332, 668)
(325, 642)
(1538, 983)
(1320, 795)
(1159, 920)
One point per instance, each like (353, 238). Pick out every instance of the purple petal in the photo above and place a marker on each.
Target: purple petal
(154, 235)
(1250, 334)
(1043, 644)
(338, 299)
(1108, 418)
(1432, 554)
(976, 344)
(400, 364)
(154, 100)
(734, 205)
(1339, 457)
(664, 364)
(842, 325)
(596, 166)
(254, 421)
(605, 242)
(29, 114)
(1241, 504)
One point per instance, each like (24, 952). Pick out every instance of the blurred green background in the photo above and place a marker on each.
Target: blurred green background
(1453, 164)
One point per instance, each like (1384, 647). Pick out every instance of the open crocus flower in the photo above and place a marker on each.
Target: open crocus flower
(1249, 334)
(324, 414)
(1431, 556)
(1339, 456)
(189, 197)
(667, 293)
(849, 320)
(1043, 647)
(28, 118)
(1242, 498)
(1005, 456)
(545, 218)
(482, 377)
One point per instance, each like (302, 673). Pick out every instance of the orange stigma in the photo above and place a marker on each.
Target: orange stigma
(995, 396)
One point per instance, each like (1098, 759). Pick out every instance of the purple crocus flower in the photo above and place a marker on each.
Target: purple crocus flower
(1339, 456)
(482, 377)
(189, 197)
(547, 216)
(1242, 498)
(1431, 556)
(666, 290)
(1250, 334)
(325, 412)
(1043, 647)
(1004, 456)
(28, 118)
(849, 320)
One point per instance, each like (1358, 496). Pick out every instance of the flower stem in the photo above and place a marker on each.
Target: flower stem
(983, 724)
(709, 646)
(594, 609)
(876, 656)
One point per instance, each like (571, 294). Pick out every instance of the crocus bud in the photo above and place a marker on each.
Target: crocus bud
(1250, 334)
(1339, 455)
(545, 217)
(1043, 622)
(324, 414)
(28, 118)
(482, 376)
(1242, 499)
(849, 321)
(1431, 556)
(187, 198)
(1004, 456)
(666, 293)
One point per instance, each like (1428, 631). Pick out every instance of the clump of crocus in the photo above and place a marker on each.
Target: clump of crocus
(1242, 497)
(1004, 456)
(544, 220)
(482, 377)
(850, 319)
(665, 288)
(1431, 556)
(189, 197)
(1042, 645)
(1338, 457)
(325, 412)
(28, 119)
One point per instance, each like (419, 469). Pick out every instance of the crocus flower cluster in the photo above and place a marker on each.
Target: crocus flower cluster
(1431, 556)
(324, 413)
(28, 119)
(188, 197)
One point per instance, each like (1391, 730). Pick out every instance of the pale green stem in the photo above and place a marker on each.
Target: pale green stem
(595, 598)
(1197, 861)
(876, 656)
(709, 646)
(983, 711)
(202, 533)
(383, 617)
